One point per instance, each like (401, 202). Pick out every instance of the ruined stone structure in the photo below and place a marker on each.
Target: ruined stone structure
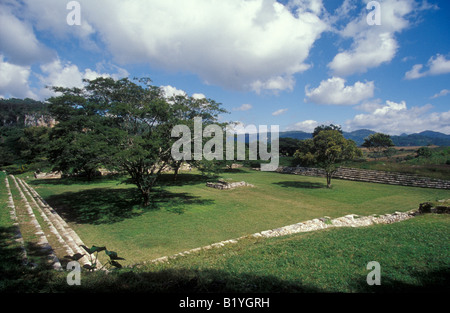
(371, 176)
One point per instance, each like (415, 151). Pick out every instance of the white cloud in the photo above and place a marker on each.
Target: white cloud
(68, 75)
(396, 118)
(437, 65)
(17, 40)
(306, 126)
(246, 45)
(170, 91)
(279, 112)
(244, 107)
(414, 73)
(442, 93)
(372, 45)
(198, 96)
(275, 84)
(333, 91)
(14, 80)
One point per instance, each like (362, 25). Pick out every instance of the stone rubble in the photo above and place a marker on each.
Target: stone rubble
(222, 185)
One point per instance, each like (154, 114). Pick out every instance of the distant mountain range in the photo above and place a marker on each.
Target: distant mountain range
(420, 139)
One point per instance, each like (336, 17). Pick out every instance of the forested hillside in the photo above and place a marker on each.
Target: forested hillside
(24, 126)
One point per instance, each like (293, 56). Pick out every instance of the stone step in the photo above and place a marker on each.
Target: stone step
(371, 176)
(43, 243)
(18, 234)
(49, 222)
(72, 241)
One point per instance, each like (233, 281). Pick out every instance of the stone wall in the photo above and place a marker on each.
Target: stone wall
(371, 176)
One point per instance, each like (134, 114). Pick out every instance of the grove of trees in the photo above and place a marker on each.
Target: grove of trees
(122, 125)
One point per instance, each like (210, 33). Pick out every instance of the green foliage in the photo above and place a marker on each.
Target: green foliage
(320, 128)
(121, 124)
(13, 111)
(112, 262)
(288, 146)
(378, 143)
(21, 141)
(424, 152)
(304, 156)
(326, 150)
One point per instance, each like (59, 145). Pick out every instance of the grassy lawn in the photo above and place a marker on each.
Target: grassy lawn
(414, 256)
(187, 214)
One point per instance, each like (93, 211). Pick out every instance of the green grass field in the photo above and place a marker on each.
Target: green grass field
(414, 255)
(187, 214)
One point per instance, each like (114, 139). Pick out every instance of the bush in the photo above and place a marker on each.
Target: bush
(424, 152)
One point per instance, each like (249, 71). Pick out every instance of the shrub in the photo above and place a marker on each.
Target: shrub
(424, 152)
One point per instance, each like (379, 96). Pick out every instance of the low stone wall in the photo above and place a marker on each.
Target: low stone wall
(371, 176)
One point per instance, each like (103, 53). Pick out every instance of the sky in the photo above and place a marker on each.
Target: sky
(297, 64)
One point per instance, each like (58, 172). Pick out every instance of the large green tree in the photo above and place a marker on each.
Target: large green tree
(378, 143)
(326, 150)
(121, 124)
(186, 109)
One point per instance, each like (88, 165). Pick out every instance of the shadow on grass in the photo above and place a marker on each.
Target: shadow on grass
(300, 184)
(67, 181)
(20, 279)
(111, 205)
(16, 277)
(190, 281)
(437, 281)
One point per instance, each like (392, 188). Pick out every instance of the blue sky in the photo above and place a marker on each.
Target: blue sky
(292, 63)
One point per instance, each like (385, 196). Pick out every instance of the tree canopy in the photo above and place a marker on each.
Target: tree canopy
(326, 150)
(123, 125)
(378, 143)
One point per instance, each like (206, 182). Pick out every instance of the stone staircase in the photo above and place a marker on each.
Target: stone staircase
(55, 238)
(371, 176)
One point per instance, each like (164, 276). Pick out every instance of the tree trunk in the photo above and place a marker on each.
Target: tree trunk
(176, 169)
(176, 173)
(145, 197)
(329, 180)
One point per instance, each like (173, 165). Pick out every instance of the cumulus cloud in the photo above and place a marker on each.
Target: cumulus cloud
(17, 40)
(198, 96)
(247, 45)
(437, 65)
(170, 91)
(396, 118)
(14, 80)
(334, 91)
(60, 74)
(373, 45)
